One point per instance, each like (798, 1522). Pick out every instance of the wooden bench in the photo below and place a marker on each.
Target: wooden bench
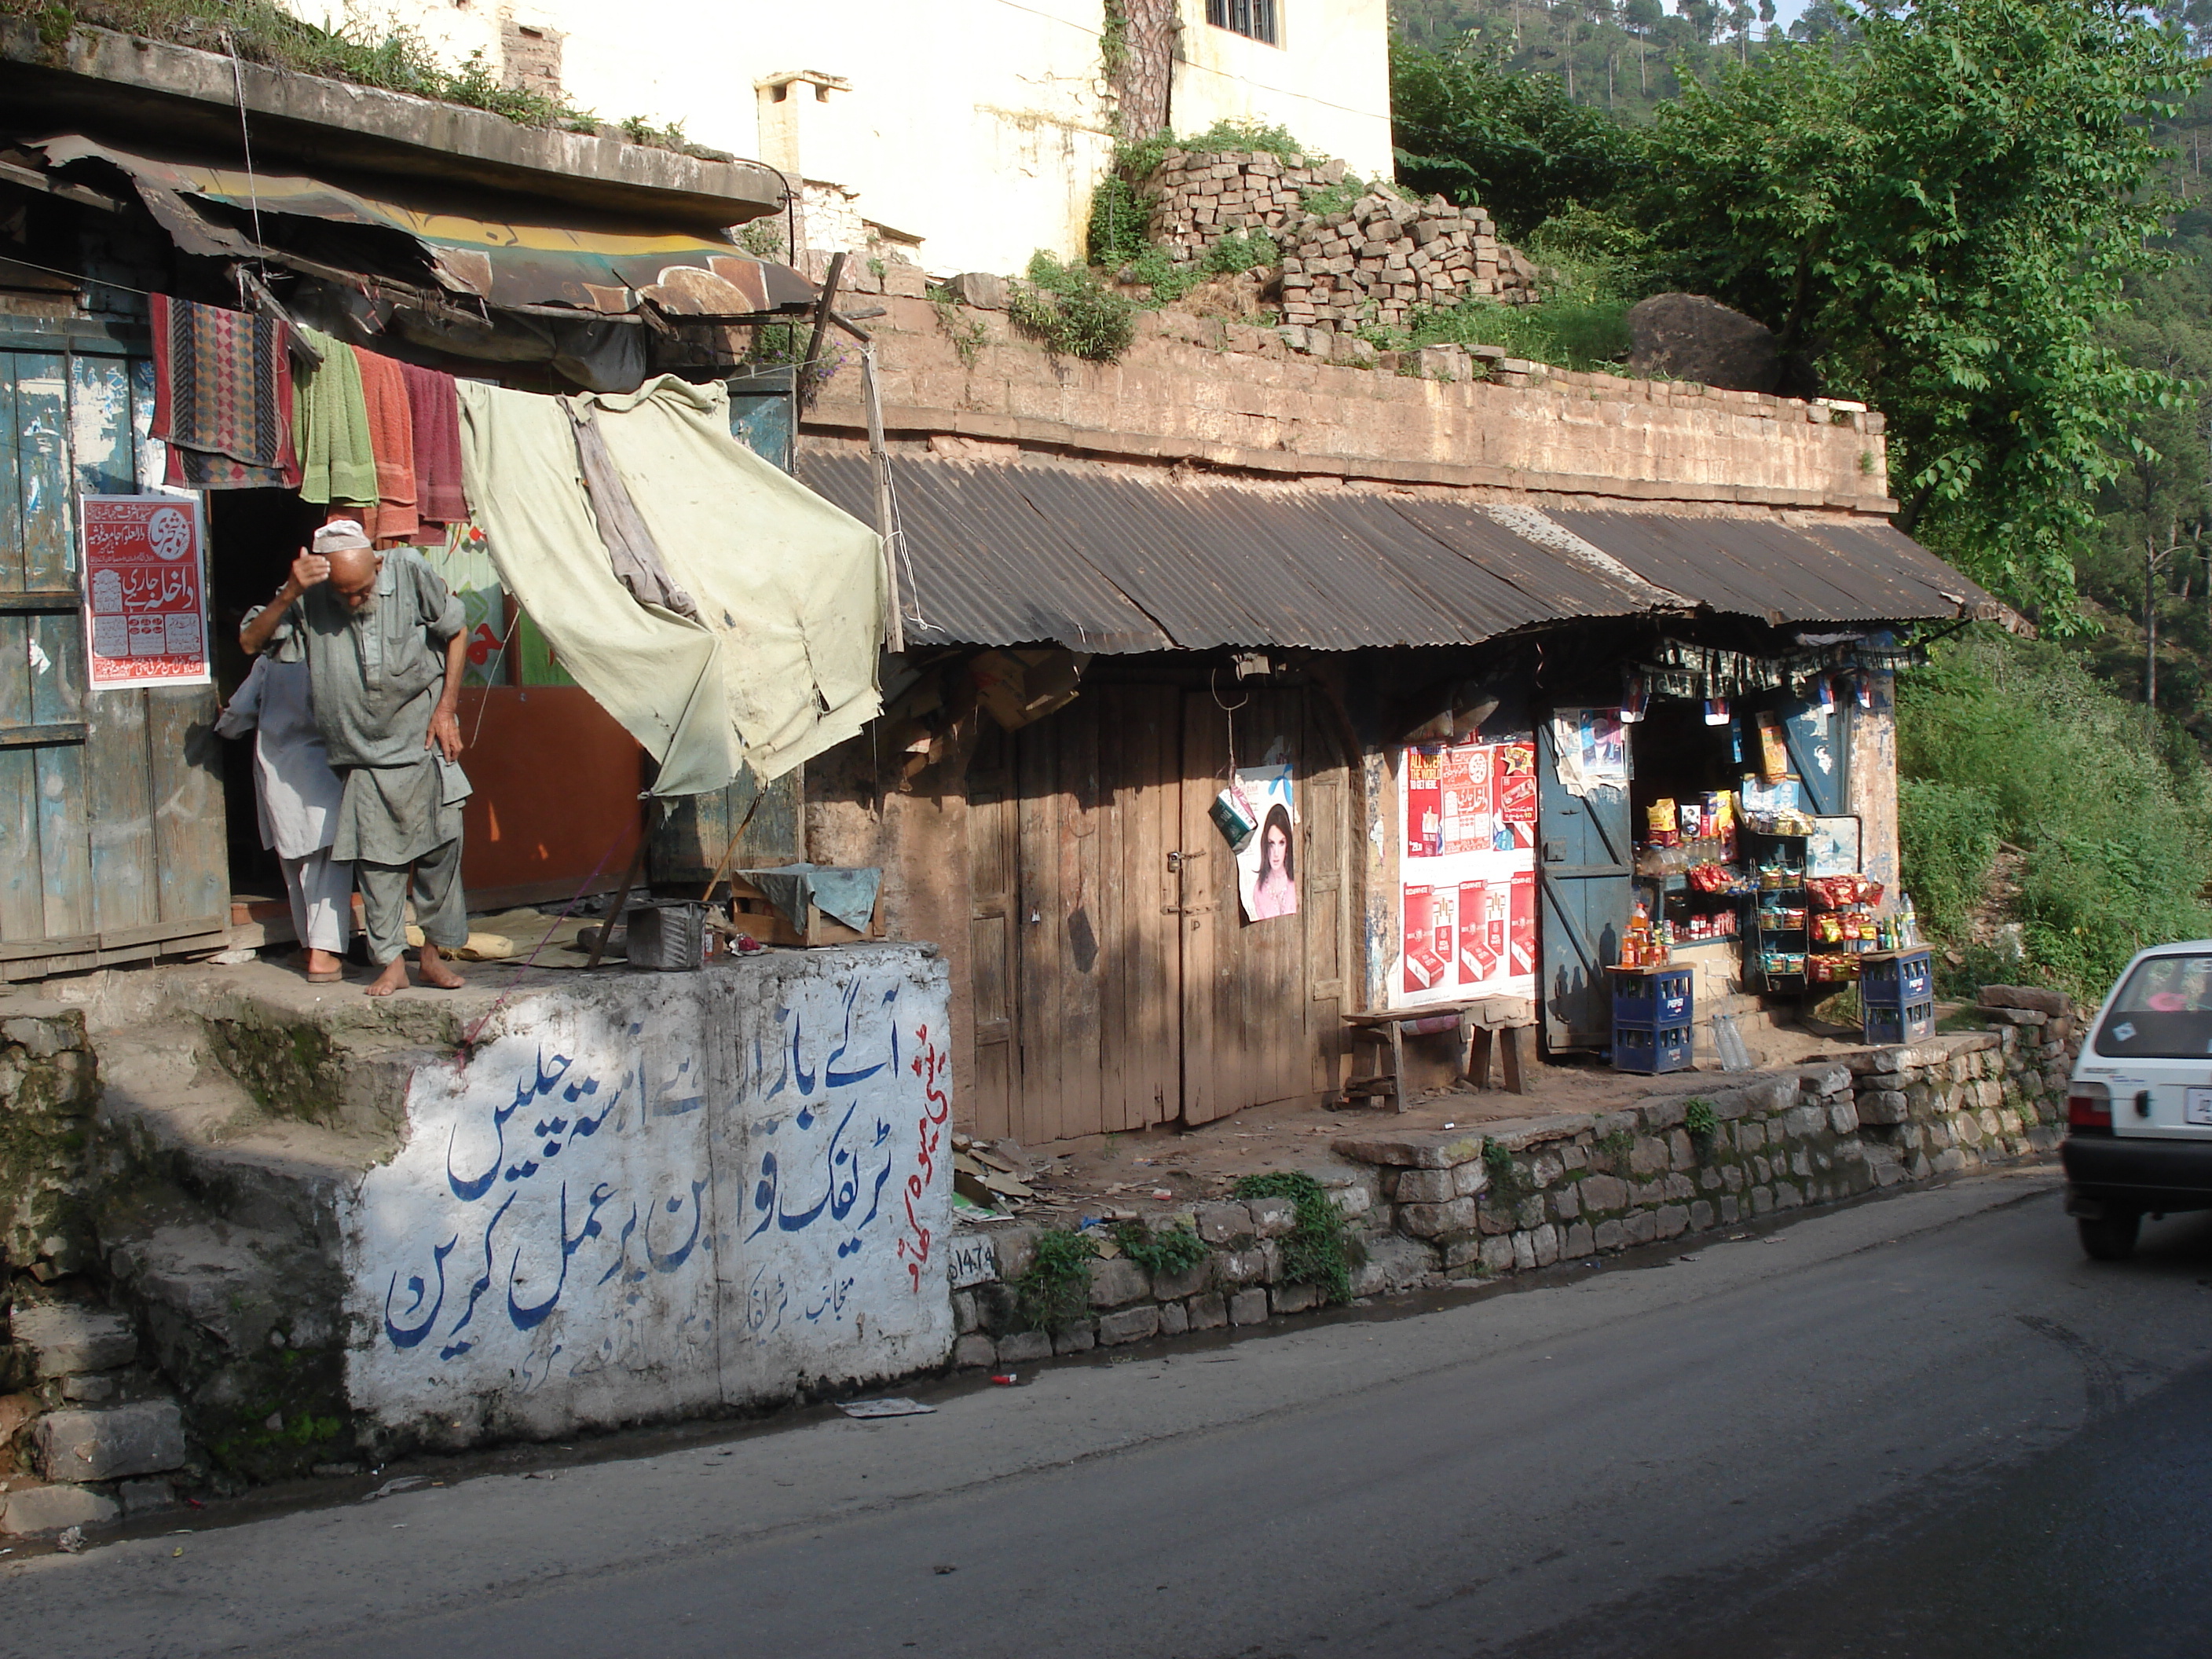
(1479, 1022)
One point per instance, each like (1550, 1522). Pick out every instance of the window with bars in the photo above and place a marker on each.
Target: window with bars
(1254, 18)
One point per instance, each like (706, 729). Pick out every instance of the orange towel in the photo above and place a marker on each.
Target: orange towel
(392, 438)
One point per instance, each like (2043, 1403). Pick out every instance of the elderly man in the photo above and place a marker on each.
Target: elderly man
(385, 644)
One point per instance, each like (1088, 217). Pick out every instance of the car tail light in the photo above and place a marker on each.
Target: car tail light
(2088, 1106)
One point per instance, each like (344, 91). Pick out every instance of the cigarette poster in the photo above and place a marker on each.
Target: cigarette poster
(1466, 872)
(145, 592)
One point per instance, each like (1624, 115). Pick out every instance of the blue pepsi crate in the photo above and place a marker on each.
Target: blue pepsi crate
(1652, 1048)
(1660, 999)
(1881, 1023)
(1898, 982)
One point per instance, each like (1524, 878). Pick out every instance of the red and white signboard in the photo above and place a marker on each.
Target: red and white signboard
(1466, 872)
(145, 592)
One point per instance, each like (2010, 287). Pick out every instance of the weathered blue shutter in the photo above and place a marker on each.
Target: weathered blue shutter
(111, 837)
(1820, 754)
(1584, 865)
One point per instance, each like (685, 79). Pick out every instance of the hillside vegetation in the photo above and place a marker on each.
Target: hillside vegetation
(1987, 218)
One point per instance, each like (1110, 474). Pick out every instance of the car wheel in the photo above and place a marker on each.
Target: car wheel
(2112, 1238)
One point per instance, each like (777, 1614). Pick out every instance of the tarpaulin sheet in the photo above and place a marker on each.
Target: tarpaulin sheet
(505, 263)
(781, 662)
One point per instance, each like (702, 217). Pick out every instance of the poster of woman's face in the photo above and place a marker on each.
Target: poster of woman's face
(1267, 865)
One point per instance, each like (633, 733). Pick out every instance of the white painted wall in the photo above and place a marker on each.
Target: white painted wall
(662, 1195)
(979, 125)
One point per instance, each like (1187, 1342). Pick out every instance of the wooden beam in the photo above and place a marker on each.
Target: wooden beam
(32, 737)
(825, 308)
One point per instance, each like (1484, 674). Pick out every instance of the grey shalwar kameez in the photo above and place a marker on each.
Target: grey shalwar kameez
(297, 796)
(377, 674)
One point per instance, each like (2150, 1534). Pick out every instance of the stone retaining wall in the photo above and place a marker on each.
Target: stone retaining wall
(49, 1085)
(1430, 1207)
(1375, 261)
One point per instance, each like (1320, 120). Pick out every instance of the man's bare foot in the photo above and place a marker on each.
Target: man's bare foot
(394, 978)
(435, 973)
(323, 967)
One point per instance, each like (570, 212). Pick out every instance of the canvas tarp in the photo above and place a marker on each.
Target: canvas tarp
(780, 663)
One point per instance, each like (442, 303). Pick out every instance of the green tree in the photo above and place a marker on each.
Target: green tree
(1471, 129)
(1934, 212)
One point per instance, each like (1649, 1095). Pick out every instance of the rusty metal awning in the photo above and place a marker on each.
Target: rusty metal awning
(211, 211)
(1007, 554)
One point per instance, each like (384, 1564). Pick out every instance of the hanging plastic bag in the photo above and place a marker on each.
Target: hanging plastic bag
(1235, 816)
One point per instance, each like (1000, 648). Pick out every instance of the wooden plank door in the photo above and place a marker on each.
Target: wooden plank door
(1326, 847)
(1139, 808)
(993, 942)
(1062, 875)
(1248, 1021)
(1583, 872)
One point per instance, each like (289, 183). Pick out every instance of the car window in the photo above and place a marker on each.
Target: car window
(2163, 1011)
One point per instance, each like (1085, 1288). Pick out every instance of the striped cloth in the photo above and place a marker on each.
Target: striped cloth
(223, 397)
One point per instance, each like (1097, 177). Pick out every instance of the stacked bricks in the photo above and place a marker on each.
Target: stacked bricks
(1375, 262)
(1433, 1206)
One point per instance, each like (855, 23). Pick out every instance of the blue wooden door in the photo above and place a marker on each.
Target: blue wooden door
(1819, 753)
(112, 845)
(1583, 866)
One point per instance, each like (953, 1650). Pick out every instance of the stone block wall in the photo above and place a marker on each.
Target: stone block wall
(49, 1087)
(1376, 261)
(1432, 1207)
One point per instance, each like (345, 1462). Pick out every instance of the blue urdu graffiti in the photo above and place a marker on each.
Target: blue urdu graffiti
(577, 1215)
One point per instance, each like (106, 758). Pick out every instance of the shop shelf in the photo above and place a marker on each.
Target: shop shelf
(1652, 1048)
(1894, 1024)
(1654, 999)
(1901, 979)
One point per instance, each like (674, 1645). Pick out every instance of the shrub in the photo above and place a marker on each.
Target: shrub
(1318, 1250)
(1946, 835)
(1071, 310)
(1174, 1249)
(1054, 1291)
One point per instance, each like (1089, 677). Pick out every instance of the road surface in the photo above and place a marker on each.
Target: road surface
(1921, 1426)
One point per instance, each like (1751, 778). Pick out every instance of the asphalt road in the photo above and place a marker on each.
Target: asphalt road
(1923, 1426)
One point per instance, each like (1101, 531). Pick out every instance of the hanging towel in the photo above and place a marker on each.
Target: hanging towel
(439, 496)
(630, 550)
(222, 397)
(392, 440)
(337, 462)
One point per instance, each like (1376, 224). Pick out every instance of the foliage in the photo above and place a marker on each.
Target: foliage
(1054, 1291)
(2113, 812)
(1699, 1118)
(1466, 127)
(968, 336)
(1946, 841)
(1509, 1182)
(767, 238)
(1319, 1248)
(1934, 215)
(1071, 310)
(1173, 1249)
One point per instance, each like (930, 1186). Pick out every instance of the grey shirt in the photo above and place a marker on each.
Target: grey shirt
(377, 673)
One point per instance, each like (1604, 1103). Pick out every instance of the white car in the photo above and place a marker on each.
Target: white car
(2139, 1109)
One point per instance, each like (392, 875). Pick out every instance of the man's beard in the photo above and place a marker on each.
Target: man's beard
(366, 609)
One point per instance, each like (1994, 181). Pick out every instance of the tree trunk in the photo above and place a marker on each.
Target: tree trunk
(2150, 627)
(1146, 76)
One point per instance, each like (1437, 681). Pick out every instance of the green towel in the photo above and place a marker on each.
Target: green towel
(331, 417)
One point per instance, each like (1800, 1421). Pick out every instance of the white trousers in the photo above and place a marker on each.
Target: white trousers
(321, 891)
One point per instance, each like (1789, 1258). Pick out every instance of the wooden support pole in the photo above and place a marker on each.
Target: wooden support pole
(825, 305)
(879, 462)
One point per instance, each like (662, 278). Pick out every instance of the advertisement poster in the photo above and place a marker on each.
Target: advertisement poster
(1468, 873)
(145, 594)
(1267, 865)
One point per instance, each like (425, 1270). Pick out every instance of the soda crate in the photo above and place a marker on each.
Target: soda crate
(1654, 999)
(1652, 1048)
(1898, 980)
(1884, 1024)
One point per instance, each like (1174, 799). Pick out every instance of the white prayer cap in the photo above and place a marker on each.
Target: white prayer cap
(340, 534)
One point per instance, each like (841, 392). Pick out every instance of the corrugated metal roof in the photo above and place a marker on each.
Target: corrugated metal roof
(1006, 555)
(1784, 573)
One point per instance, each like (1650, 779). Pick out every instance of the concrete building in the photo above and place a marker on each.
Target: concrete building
(978, 127)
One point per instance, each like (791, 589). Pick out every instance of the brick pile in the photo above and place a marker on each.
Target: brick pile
(1376, 261)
